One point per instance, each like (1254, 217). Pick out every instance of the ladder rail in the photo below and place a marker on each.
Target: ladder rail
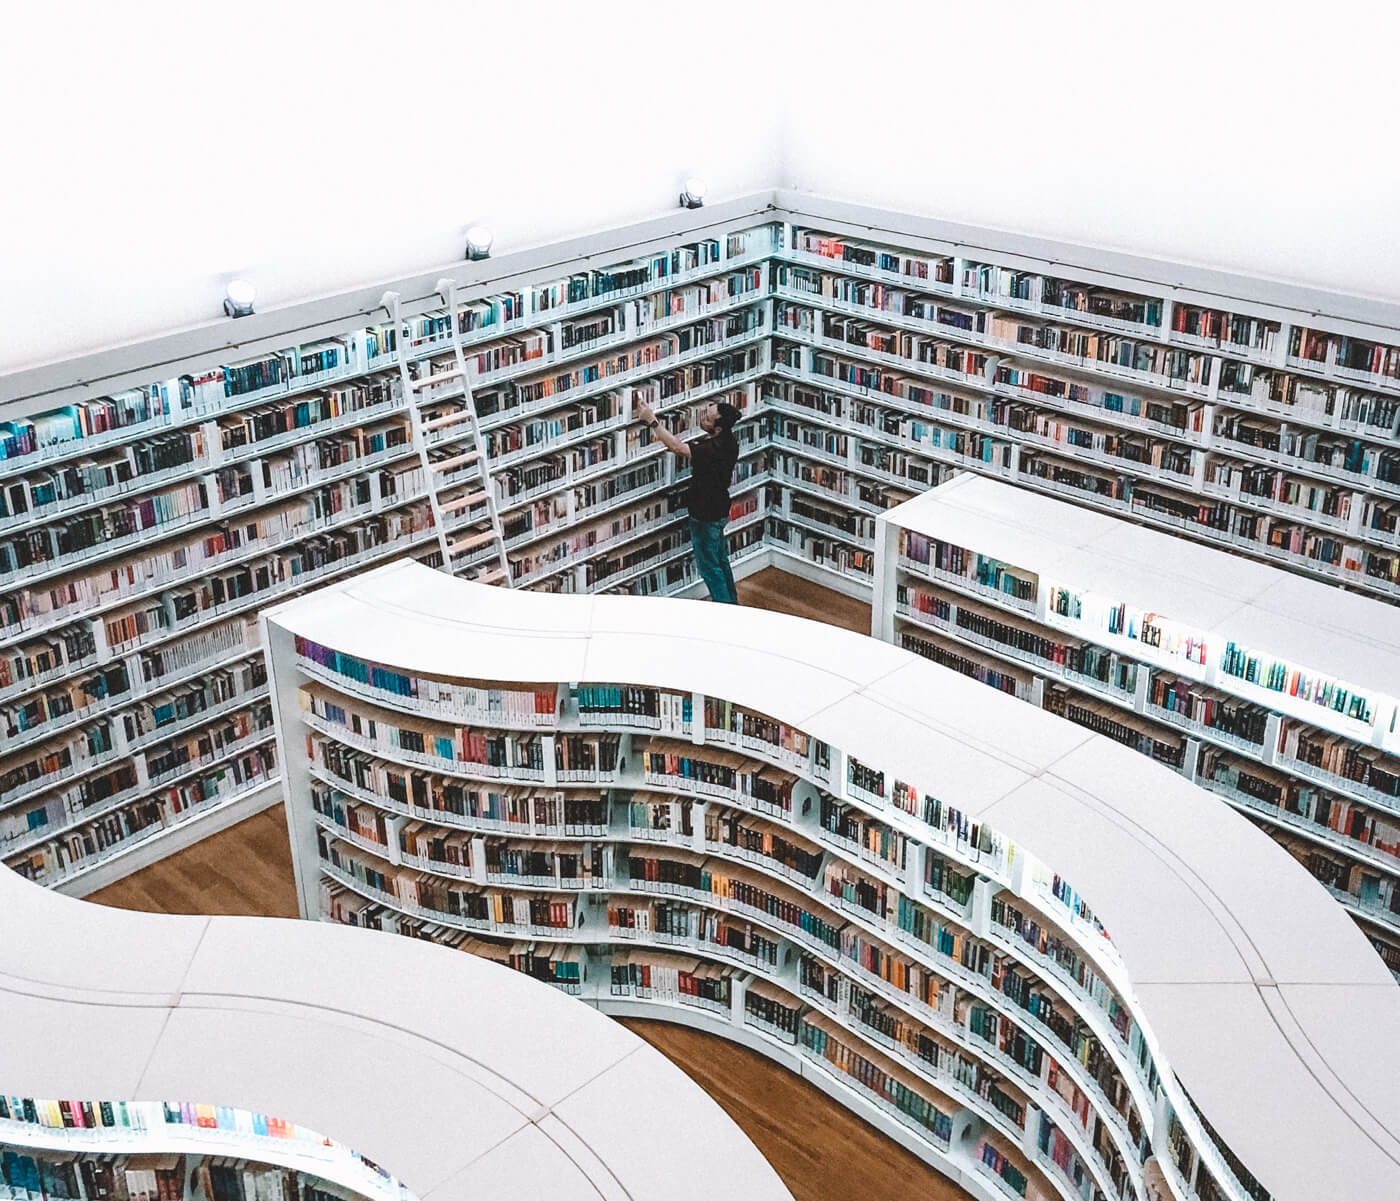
(483, 457)
(392, 302)
(479, 485)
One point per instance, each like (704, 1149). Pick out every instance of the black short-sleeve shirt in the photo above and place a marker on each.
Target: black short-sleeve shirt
(712, 460)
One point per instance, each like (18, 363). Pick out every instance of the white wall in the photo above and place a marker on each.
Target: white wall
(1237, 134)
(155, 149)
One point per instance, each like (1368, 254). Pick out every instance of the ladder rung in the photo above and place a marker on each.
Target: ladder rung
(494, 576)
(450, 419)
(456, 461)
(463, 502)
(460, 546)
(440, 378)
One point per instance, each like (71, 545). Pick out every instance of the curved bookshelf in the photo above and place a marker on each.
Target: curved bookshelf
(852, 860)
(390, 1044)
(1276, 693)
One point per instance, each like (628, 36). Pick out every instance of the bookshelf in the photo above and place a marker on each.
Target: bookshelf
(384, 1043)
(861, 864)
(91, 1150)
(154, 497)
(1104, 396)
(1276, 693)
(142, 530)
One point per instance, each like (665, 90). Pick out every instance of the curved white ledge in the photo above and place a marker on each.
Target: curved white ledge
(465, 1079)
(1250, 984)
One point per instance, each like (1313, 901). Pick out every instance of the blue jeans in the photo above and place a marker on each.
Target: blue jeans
(712, 560)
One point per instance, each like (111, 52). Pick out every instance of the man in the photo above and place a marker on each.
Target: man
(712, 460)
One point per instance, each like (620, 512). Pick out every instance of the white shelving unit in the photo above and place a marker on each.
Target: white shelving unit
(252, 468)
(97, 1149)
(1277, 693)
(292, 465)
(839, 854)
(382, 1043)
(995, 353)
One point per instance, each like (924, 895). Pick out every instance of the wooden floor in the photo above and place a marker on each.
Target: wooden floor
(785, 593)
(819, 1148)
(245, 870)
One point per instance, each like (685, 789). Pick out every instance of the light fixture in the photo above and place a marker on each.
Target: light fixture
(238, 298)
(478, 242)
(693, 193)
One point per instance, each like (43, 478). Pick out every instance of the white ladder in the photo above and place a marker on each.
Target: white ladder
(449, 443)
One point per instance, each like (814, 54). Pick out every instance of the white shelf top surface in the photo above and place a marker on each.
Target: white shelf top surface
(465, 1079)
(1268, 610)
(1247, 972)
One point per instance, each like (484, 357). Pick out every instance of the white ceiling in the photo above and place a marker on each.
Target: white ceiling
(156, 149)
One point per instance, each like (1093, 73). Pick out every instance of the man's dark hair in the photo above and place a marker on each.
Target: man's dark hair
(728, 415)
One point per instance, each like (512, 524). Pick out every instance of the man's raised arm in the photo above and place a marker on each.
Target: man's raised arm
(668, 439)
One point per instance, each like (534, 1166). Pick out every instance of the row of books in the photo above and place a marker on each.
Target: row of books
(1230, 329)
(427, 793)
(653, 976)
(694, 875)
(755, 839)
(436, 741)
(90, 480)
(1044, 293)
(663, 265)
(877, 840)
(1343, 351)
(434, 895)
(72, 697)
(54, 1175)
(1279, 675)
(983, 570)
(71, 536)
(993, 411)
(484, 703)
(1164, 365)
(1334, 755)
(41, 658)
(1310, 805)
(653, 708)
(240, 766)
(1271, 483)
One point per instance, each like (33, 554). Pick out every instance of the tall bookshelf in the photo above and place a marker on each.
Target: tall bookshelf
(143, 530)
(1232, 423)
(1276, 693)
(218, 1046)
(861, 864)
(143, 524)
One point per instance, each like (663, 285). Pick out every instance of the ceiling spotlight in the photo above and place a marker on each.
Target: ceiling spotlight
(478, 242)
(693, 193)
(238, 298)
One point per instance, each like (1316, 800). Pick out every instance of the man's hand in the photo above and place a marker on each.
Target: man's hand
(661, 433)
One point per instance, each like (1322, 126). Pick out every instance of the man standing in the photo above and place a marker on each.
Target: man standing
(712, 460)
